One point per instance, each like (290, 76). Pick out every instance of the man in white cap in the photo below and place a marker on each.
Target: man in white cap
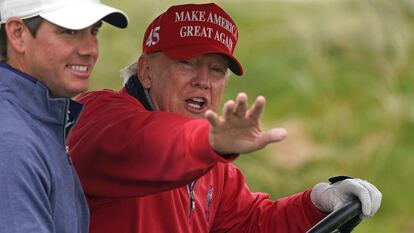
(48, 50)
(149, 162)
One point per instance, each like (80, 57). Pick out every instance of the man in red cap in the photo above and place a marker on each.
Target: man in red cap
(149, 161)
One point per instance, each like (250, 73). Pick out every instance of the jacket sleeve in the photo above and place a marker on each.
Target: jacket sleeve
(24, 187)
(242, 211)
(122, 150)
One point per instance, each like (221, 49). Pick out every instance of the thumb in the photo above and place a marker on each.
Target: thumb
(274, 135)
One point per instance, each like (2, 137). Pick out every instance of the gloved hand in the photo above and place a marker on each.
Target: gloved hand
(329, 197)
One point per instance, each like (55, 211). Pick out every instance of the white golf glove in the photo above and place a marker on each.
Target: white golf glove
(328, 197)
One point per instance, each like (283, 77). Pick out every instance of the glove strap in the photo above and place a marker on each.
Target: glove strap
(338, 178)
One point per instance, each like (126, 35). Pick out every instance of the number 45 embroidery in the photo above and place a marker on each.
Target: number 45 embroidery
(154, 37)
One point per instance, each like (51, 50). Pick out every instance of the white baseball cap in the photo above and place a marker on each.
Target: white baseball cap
(70, 14)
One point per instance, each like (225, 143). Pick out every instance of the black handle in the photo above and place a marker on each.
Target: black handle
(348, 213)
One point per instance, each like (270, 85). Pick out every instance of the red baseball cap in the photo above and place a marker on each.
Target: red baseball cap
(191, 30)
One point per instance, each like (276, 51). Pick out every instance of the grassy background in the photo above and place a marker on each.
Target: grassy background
(337, 74)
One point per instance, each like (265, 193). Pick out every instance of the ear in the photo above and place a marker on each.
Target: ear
(143, 71)
(15, 31)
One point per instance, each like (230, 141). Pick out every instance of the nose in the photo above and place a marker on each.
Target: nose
(201, 78)
(89, 45)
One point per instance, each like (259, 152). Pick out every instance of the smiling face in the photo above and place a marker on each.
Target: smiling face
(60, 58)
(189, 87)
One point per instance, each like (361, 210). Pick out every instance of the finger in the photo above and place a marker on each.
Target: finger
(352, 186)
(212, 118)
(257, 108)
(228, 110)
(241, 105)
(375, 196)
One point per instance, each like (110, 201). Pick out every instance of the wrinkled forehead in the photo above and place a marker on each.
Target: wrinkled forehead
(211, 57)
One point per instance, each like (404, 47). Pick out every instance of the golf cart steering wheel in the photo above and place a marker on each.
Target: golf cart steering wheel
(342, 220)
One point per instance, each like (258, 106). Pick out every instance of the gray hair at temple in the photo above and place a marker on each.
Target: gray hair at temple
(128, 72)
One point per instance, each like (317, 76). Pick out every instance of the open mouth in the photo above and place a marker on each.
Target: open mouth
(196, 104)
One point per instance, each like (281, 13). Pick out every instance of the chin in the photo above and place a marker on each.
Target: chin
(189, 113)
(76, 91)
(197, 115)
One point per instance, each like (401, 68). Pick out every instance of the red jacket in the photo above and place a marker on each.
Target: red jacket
(135, 165)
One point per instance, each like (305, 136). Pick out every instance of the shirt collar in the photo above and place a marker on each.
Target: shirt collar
(18, 72)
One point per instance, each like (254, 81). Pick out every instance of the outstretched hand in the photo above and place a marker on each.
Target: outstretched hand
(238, 130)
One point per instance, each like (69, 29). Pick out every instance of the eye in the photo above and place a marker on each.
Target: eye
(219, 70)
(95, 28)
(95, 31)
(69, 31)
(186, 63)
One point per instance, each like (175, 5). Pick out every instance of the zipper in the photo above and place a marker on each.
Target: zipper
(66, 118)
(190, 188)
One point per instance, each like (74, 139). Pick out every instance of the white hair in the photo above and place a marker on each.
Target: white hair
(128, 72)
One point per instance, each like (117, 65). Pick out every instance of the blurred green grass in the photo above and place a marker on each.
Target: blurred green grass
(337, 74)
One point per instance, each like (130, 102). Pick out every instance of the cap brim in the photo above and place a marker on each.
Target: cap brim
(191, 51)
(83, 15)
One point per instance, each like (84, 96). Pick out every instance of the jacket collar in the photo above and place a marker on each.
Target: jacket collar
(33, 96)
(135, 89)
